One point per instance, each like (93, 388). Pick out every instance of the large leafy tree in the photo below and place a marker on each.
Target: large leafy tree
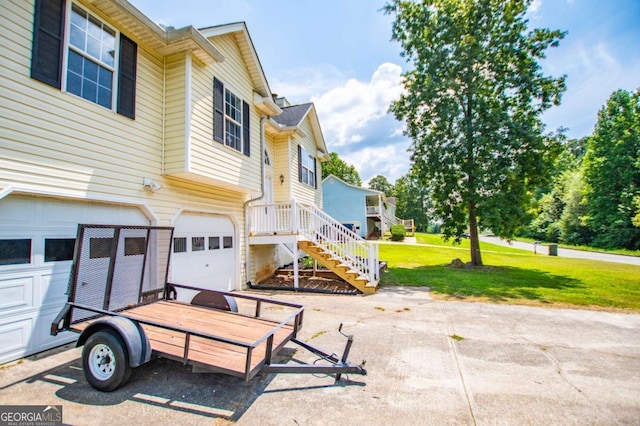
(612, 172)
(412, 201)
(340, 169)
(382, 184)
(472, 105)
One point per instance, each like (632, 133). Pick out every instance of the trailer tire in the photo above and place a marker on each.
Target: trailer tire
(105, 361)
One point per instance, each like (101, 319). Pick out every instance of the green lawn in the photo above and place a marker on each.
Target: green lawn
(512, 276)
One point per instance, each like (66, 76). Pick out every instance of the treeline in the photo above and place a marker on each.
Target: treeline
(593, 194)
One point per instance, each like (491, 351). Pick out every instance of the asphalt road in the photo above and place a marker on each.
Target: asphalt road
(562, 252)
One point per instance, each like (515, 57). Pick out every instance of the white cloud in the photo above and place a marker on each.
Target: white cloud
(391, 161)
(347, 109)
(535, 6)
(354, 115)
(299, 85)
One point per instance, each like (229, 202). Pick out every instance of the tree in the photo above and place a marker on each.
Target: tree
(558, 211)
(412, 201)
(572, 225)
(340, 169)
(472, 105)
(380, 183)
(612, 172)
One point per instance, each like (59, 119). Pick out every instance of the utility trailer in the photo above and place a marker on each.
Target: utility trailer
(126, 311)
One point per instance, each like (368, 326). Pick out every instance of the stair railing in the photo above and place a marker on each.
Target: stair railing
(291, 218)
(338, 240)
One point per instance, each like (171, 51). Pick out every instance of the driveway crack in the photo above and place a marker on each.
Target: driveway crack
(454, 349)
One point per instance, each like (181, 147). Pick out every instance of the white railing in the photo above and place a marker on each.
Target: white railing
(407, 223)
(317, 226)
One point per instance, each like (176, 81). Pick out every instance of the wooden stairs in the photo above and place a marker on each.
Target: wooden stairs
(355, 279)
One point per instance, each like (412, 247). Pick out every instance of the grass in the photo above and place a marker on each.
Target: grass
(512, 276)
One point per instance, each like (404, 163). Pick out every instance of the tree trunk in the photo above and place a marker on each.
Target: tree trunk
(476, 256)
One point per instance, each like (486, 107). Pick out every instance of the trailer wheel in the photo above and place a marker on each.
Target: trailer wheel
(105, 361)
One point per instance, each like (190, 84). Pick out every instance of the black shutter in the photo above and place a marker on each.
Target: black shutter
(127, 77)
(246, 134)
(299, 163)
(315, 173)
(48, 32)
(218, 110)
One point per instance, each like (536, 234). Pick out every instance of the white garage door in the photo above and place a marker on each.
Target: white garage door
(37, 237)
(203, 254)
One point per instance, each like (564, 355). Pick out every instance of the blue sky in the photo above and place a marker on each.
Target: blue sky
(338, 54)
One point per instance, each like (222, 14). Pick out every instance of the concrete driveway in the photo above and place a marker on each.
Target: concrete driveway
(429, 362)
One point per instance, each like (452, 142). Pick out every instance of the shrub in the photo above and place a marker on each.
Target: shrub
(398, 232)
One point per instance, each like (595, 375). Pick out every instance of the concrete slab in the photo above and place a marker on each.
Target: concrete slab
(506, 365)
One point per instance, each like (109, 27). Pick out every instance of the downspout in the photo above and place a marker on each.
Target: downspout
(164, 114)
(263, 119)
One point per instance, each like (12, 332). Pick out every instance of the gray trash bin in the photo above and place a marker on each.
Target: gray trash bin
(553, 249)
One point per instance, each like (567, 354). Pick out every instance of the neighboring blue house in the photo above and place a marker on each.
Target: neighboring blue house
(368, 212)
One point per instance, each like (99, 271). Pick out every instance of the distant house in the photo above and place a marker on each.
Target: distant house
(367, 212)
(108, 118)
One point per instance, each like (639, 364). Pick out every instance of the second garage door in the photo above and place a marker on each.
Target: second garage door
(204, 253)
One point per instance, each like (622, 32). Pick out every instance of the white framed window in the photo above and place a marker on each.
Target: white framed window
(231, 119)
(90, 58)
(307, 165)
(77, 52)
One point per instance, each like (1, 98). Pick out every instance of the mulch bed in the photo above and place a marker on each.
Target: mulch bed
(306, 284)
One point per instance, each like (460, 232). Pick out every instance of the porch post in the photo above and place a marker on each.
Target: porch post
(294, 218)
(295, 265)
(382, 221)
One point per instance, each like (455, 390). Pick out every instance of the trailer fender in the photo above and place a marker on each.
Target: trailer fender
(132, 334)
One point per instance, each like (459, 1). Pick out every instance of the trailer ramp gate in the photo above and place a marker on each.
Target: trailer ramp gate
(121, 271)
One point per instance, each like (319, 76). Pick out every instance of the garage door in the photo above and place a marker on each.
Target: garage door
(203, 254)
(37, 237)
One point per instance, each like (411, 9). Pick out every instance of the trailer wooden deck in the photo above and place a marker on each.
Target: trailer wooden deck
(219, 341)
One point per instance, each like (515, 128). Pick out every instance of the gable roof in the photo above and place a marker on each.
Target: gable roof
(247, 49)
(292, 116)
(365, 190)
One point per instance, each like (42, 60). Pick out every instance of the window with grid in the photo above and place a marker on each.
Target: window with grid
(231, 118)
(77, 52)
(308, 168)
(91, 64)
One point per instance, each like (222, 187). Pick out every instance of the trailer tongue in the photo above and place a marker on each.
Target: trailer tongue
(121, 303)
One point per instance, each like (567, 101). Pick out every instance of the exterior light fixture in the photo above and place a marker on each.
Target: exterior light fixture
(151, 185)
(281, 179)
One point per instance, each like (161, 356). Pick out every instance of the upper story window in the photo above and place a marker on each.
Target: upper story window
(231, 118)
(306, 167)
(92, 50)
(94, 62)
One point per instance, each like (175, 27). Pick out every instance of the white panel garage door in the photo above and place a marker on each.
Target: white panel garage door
(203, 254)
(37, 236)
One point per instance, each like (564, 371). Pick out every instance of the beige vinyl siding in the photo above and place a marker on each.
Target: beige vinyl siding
(53, 142)
(175, 125)
(281, 160)
(55, 138)
(301, 191)
(208, 157)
